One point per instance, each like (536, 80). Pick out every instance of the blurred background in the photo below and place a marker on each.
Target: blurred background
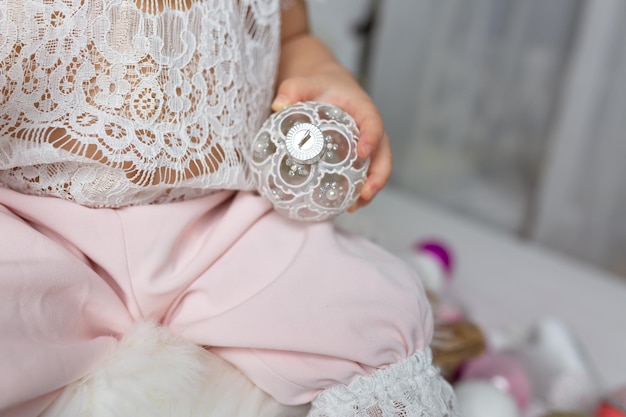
(508, 112)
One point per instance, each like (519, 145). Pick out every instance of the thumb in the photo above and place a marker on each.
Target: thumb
(292, 91)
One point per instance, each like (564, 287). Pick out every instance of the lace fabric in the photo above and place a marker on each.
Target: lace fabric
(118, 102)
(410, 388)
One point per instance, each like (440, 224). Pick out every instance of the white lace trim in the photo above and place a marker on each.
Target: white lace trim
(410, 388)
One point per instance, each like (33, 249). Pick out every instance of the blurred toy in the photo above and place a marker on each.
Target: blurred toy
(544, 367)
(560, 373)
(456, 339)
(482, 399)
(502, 370)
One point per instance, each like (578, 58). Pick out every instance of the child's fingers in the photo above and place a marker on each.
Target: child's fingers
(378, 173)
(380, 169)
(294, 90)
(370, 125)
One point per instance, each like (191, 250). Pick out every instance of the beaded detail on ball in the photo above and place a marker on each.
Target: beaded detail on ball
(304, 160)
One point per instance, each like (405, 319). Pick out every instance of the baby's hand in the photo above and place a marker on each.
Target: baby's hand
(334, 84)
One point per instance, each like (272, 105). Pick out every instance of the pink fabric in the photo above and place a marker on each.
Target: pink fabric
(298, 307)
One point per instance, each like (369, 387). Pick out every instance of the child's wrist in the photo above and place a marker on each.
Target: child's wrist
(304, 55)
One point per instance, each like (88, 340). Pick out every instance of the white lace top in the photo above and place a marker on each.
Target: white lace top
(118, 102)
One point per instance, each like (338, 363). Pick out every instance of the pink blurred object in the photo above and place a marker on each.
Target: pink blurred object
(439, 251)
(504, 372)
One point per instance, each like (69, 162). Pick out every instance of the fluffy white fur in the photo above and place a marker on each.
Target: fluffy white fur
(152, 373)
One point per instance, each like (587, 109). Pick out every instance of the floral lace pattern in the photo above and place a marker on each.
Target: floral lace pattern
(410, 388)
(118, 102)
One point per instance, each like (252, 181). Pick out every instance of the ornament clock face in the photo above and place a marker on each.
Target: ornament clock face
(305, 143)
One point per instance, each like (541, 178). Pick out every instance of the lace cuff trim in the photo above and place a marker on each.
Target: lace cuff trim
(410, 388)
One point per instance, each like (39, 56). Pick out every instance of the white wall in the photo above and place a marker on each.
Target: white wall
(335, 22)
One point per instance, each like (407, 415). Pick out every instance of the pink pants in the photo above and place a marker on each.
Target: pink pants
(297, 307)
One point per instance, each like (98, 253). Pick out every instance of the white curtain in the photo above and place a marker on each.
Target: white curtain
(582, 199)
(513, 112)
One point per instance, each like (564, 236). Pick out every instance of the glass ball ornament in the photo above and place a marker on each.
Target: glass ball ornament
(304, 161)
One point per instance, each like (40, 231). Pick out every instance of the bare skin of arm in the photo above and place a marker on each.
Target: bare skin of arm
(309, 71)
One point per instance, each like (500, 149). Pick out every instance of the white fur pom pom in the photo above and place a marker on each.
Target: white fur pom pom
(152, 373)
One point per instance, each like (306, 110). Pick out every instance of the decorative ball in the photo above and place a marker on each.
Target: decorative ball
(304, 161)
(430, 271)
(482, 399)
(504, 372)
(614, 405)
(439, 251)
(606, 409)
(433, 261)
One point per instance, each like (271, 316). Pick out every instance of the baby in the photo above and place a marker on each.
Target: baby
(125, 198)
